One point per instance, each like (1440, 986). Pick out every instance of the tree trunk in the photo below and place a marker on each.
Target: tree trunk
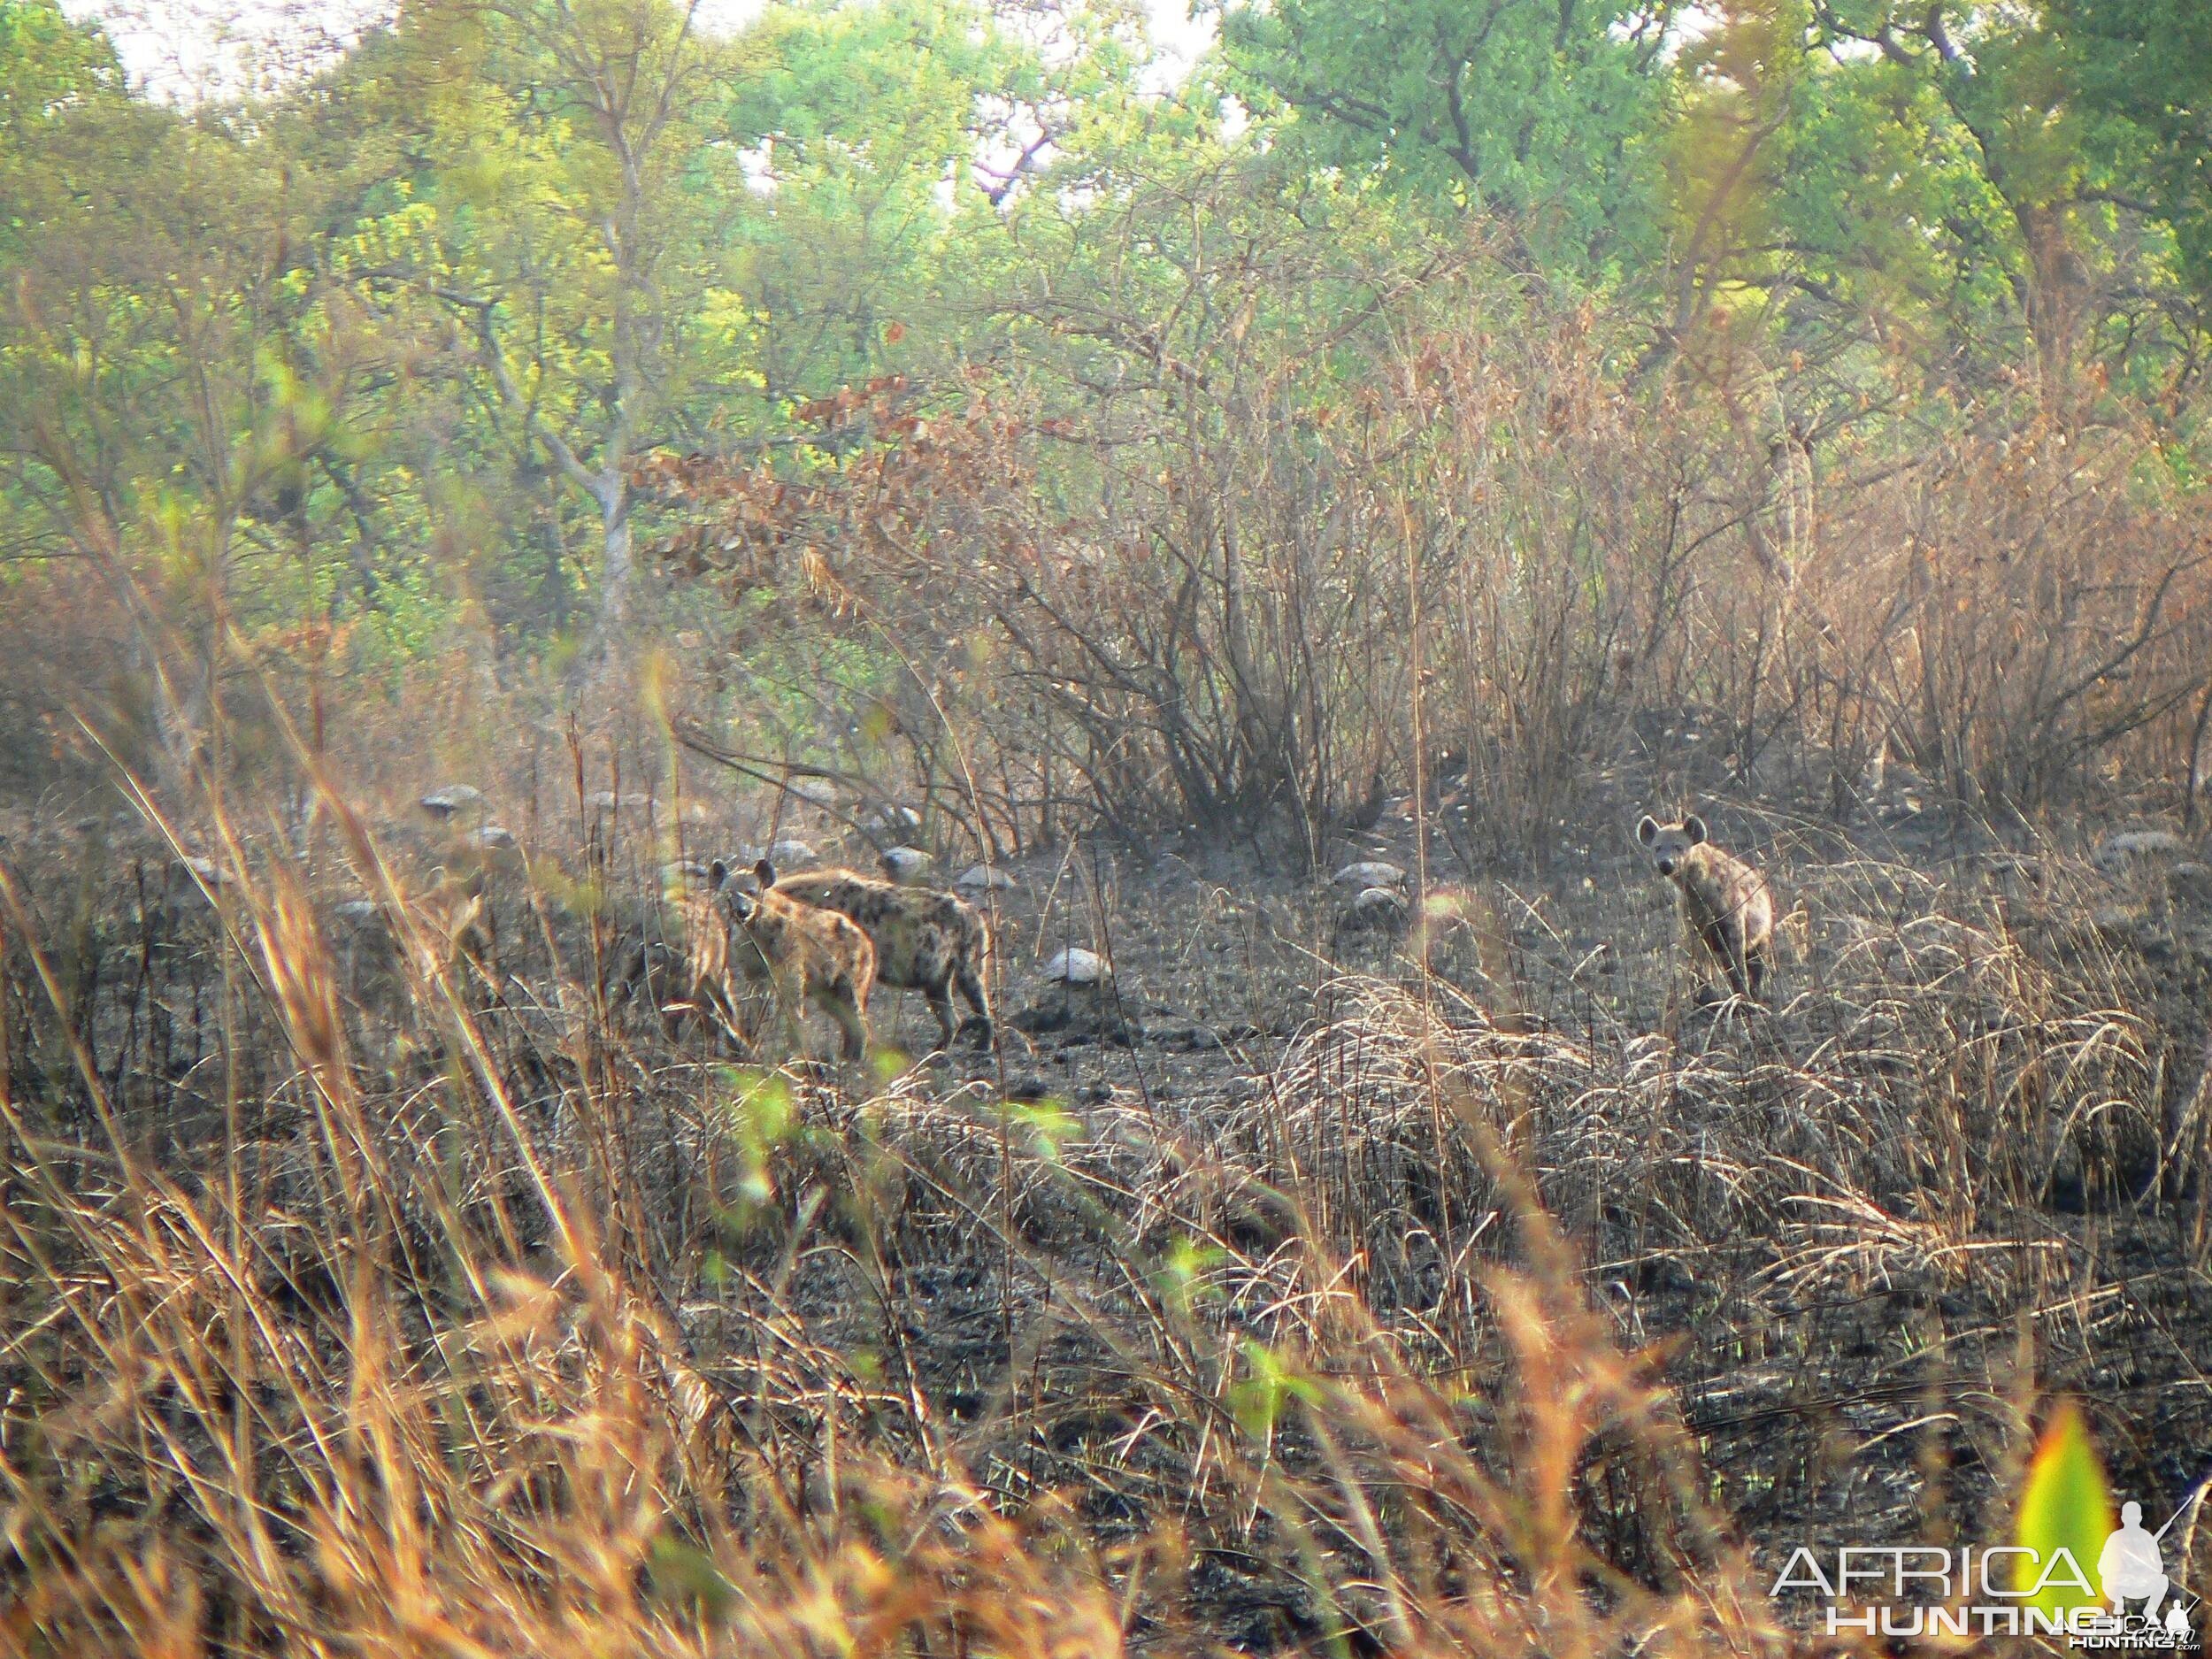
(2057, 297)
(616, 567)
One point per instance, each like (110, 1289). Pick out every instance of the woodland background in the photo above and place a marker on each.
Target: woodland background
(1426, 433)
(900, 370)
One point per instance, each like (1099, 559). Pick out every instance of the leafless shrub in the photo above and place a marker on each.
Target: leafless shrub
(1232, 589)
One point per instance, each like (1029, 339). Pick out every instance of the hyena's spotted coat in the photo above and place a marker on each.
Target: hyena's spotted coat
(925, 941)
(1726, 910)
(802, 952)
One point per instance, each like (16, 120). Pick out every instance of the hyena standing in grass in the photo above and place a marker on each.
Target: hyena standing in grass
(801, 951)
(686, 979)
(926, 940)
(1726, 910)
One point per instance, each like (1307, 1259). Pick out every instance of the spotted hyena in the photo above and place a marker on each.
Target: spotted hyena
(1726, 910)
(687, 978)
(926, 940)
(801, 951)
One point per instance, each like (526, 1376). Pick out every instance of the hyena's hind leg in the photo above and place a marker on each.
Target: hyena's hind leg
(1741, 957)
(941, 1004)
(1757, 960)
(1732, 959)
(1710, 959)
(970, 983)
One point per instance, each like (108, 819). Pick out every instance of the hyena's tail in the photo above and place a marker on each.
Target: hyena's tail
(972, 974)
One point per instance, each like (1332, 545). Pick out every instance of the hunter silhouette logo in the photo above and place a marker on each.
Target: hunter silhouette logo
(2131, 1567)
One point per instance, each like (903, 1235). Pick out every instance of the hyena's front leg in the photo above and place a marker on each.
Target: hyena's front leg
(1735, 960)
(1709, 950)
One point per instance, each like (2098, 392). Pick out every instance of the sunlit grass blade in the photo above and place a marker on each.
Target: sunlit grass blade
(2065, 1505)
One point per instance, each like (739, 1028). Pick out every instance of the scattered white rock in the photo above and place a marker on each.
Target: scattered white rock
(455, 797)
(1078, 1002)
(357, 912)
(984, 878)
(906, 863)
(900, 822)
(1078, 967)
(1371, 873)
(793, 855)
(494, 838)
(2116, 850)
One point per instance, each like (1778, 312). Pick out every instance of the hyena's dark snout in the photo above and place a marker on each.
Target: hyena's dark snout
(1666, 866)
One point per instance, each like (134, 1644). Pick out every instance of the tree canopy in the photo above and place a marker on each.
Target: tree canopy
(396, 338)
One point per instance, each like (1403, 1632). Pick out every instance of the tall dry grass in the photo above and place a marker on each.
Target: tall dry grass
(316, 1354)
(479, 1316)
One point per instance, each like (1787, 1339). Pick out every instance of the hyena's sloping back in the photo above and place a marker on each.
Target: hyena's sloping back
(925, 941)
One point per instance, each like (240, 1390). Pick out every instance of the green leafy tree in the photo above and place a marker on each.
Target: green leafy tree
(2024, 107)
(559, 193)
(1542, 112)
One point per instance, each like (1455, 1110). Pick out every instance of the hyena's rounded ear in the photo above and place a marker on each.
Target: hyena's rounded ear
(1647, 829)
(765, 872)
(1693, 826)
(718, 872)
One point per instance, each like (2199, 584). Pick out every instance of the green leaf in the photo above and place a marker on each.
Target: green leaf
(2065, 1505)
(679, 1569)
(1257, 1401)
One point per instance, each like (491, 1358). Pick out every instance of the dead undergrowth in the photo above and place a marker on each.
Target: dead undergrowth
(429, 1296)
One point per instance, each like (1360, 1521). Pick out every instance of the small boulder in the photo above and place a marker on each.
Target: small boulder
(984, 878)
(494, 838)
(1378, 909)
(895, 823)
(454, 798)
(1078, 1002)
(1371, 873)
(905, 864)
(792, 855)
(2123, 848)
(1078, 967)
